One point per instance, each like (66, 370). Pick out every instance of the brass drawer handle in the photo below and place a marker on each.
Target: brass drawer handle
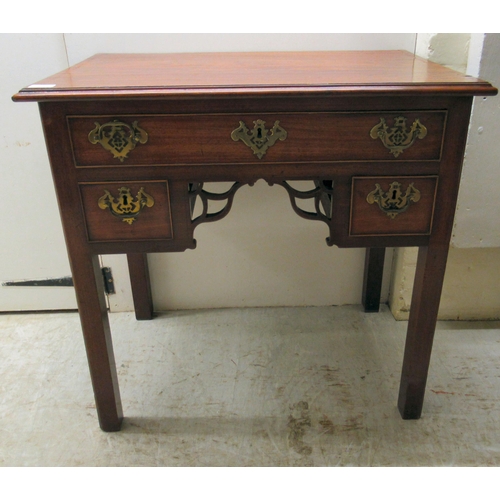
(118, 137)
(394, 202)
(126, 207)
(260, 139)
(398, 138)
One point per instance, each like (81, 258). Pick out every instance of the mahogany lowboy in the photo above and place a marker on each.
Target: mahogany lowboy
(132, 138)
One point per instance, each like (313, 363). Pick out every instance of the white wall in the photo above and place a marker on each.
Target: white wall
(477, 223)
(80, 46)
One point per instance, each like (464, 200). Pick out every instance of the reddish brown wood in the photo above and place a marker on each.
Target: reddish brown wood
(372, 279)
(149, 75)
(87, 279)
(369, 220)
(196, 138)
(431, 265)
(190, 103)
(141, 286)
(150, 223)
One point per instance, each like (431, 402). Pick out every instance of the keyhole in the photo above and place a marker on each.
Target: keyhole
(394, 195)
(125, 199)
(259, 133)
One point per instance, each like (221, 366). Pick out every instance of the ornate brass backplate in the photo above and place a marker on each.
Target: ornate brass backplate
(398, 138)
(126, 207)
(117, 137)
(260, 139)
(394, 202)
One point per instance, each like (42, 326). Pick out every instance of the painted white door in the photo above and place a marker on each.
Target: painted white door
(32, 243)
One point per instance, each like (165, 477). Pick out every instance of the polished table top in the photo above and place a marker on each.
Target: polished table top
(352, 72)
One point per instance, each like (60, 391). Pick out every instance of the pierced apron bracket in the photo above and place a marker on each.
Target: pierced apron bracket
(196, 191)
(322, 195)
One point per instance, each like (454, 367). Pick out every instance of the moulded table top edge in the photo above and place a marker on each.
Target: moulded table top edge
(252, 73)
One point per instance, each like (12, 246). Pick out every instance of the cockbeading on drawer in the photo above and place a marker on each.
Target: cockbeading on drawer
(176, 139)
(126, 211)
(392, 205)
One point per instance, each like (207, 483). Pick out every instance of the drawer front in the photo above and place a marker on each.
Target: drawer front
(122, 211)
(392, 206)
(244, 138)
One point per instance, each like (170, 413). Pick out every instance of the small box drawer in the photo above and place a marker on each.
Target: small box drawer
(247, 138)
(392, 206)
(123, 211)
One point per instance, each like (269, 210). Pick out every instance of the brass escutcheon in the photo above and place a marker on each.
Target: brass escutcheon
(398, 138)
(394, 202)
(126, 207)
(118, 137)
(260, 139)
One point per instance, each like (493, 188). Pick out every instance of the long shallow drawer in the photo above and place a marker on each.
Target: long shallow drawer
(392, 206)
(122, 211)
(244, 138)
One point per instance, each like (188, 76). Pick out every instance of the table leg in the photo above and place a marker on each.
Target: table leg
(141, 286)
(89, 290)
(372, 281)
(427, 288)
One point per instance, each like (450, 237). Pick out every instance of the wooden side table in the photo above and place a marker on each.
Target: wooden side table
(132, 138)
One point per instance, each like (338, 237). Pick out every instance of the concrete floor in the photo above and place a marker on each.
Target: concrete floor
(248, 387)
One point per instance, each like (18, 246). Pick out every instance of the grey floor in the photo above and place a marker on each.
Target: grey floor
(248, 387)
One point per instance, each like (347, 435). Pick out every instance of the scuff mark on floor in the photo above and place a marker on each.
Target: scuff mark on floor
(327, 425)
(329, 373)
(298, 421)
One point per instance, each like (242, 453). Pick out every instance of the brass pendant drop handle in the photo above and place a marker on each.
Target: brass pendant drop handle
(398, 138)
(118, 137)
(126, 207)
(259, 139)
(393, 202)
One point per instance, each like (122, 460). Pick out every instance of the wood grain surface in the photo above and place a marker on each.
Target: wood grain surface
(381, 72)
